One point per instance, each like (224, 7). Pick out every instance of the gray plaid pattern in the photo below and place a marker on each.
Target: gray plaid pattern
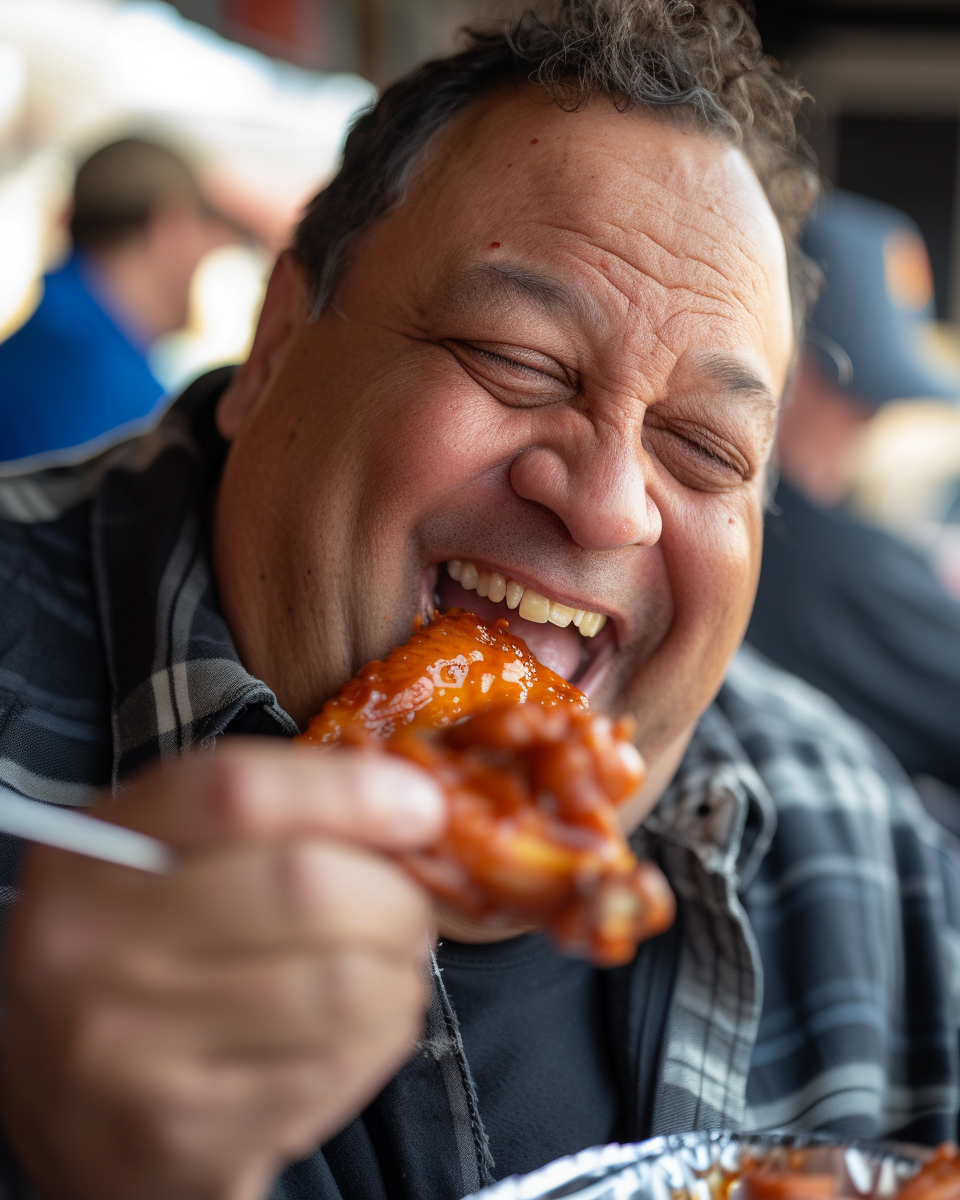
(820, 964)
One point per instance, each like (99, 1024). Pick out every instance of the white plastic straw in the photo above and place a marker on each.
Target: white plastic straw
(68, 829)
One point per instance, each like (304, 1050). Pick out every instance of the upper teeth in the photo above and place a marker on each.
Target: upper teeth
(532, 606)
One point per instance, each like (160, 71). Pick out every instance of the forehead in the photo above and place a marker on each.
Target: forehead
(633, 214)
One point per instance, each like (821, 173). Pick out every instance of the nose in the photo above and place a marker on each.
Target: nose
(594, 482)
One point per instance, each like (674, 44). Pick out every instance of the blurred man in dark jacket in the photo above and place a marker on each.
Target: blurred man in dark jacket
(852, 609)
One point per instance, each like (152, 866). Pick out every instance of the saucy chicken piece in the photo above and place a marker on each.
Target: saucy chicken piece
(938, 1179)
(763, 1184)
(532, 785)
(458, 665)
(799, 1175)
(532, 829)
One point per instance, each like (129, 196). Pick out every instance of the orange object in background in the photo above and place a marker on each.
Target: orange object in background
(532, 780)
(784, 1185)
(277, 20)
(297, 30)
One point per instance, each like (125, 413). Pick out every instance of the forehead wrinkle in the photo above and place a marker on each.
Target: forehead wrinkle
(655, 271)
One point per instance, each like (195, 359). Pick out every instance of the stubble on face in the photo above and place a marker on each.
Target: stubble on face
(559, 357)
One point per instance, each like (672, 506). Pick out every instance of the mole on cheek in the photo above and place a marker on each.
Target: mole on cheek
(494, 246)
(533, 141)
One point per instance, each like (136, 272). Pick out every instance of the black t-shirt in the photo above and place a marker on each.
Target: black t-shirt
(534, 1029)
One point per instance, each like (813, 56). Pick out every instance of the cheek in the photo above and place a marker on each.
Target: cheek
(431, 437)
(711, 554)
(712, 547)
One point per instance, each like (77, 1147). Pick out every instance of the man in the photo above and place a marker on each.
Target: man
(546, 339)
(847, 606)
(76, 373)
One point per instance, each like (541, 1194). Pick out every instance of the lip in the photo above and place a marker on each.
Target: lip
(600, 650)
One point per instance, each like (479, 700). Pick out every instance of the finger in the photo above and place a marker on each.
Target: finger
(306, 895)
(256, 790)
(266, 1007)
(180, 1106)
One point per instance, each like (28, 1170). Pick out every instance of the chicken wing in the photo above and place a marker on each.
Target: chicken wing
(532, 779)
(458, 665)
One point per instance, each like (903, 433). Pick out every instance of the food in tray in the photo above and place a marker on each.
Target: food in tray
(937, 1179)
(532, 778)
(804, 1174)
(726, 1165)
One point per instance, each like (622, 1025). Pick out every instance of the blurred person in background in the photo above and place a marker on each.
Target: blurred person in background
(846, 605)
(77, 371)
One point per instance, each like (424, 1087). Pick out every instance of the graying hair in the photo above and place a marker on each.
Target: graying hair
(697, 62)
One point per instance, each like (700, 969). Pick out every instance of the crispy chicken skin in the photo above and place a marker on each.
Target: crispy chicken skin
(532, 779)
(456, 666)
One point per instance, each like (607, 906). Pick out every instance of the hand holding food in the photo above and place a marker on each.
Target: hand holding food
(187, 1034)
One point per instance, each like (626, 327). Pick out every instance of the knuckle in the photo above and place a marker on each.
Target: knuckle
(50, 952)
(234, 794)
(307, 882)
(348, 988)
(340, 893)
(187, 1105)
(416, 915)
(95, 1046)
(361, 989)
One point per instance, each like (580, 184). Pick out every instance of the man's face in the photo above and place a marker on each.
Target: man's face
(558, 359)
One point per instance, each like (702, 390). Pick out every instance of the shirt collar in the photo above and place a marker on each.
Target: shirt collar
(717, 806)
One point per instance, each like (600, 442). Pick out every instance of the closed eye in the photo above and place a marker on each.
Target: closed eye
(695, 455)
(514, 375)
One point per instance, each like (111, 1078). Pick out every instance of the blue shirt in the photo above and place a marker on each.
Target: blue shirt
(70, 375)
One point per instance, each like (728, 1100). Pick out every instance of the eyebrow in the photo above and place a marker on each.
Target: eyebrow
(735, 376)
(485, 281)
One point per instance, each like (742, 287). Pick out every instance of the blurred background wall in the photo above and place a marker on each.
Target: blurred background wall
(885, 75)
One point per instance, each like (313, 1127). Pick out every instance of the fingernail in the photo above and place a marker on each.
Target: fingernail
(416, 805)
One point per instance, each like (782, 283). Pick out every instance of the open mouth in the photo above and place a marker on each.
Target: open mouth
(576, 643)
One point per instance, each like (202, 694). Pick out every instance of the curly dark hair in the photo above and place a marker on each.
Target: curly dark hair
(697, 62)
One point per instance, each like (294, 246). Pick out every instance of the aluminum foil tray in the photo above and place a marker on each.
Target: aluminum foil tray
(693, 1166)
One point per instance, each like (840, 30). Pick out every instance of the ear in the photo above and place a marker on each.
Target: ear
(283, 313)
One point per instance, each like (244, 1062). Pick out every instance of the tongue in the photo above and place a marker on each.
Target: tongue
(562, 650)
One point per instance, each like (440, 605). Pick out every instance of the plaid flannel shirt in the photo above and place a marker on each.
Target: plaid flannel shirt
(818, 973)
